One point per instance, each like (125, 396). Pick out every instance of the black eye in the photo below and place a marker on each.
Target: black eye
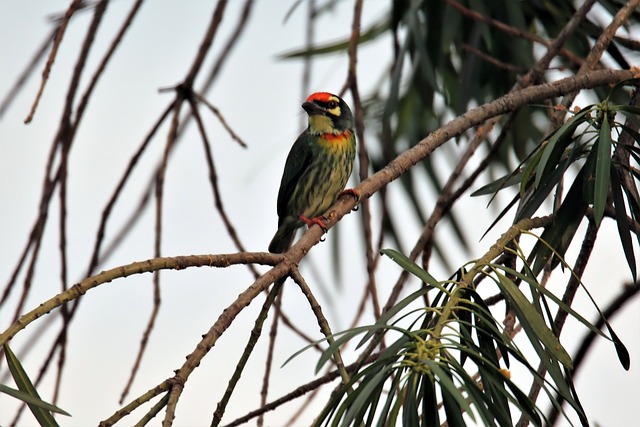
(332, 104)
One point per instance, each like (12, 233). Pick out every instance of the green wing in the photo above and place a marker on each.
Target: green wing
(298, 161)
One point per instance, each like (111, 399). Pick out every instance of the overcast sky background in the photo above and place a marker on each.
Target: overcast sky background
(259, 96)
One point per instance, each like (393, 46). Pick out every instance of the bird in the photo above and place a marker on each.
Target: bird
(317, 168)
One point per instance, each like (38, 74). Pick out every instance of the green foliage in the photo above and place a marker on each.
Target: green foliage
(27, 392)
(589, 142)
(422, 378)
(440, 71)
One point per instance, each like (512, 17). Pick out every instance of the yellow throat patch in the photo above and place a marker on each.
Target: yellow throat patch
(319, 124)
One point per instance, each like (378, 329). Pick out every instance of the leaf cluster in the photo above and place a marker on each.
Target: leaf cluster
(601, 149)
(423, 378)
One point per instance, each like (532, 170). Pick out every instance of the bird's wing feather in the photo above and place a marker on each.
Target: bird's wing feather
(298, 161)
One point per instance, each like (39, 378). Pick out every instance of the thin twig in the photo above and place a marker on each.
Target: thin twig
(59, 34)
(492, 60)
(512, 31)
(171, 139)
(96, 256)
(363, 159)
(225, 319)
(445, 200)
(535, 74)
(599, 47)
(296, 330)
(137, 402)
(256, 332)
(155, 410)
(307, 60)
(108, 55)
(305, 404)
(223, 122)
(222, 58)
(62, 141)
(213, 180)
(26, 73)
(322, 322)
(273, 332)
(299, 391)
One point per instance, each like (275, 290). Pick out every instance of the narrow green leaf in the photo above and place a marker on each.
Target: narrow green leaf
(25, 385)
(387, 416)
(375, 399)
(633, 199)
(477, 397)
(367, 35)
(529, 170)
(521, 175)
(499, 184)
(494, 386)
(385, 318)
(410, 407)
(430, 415)
(535, 196)
(553, 368)
(334, 347)
(29, 399)
(464, 317)
(489, 322)
(334, 409)
(529, 279)
(393, 415)
(629, 82)
(633, 111)
(454, 402)
(531, 320)
(524, 403)
(561, 232)
(423, 64)
(621, 350)
(556, 145)
(502, 214)
(622, 222)
(486, 340)
(368, 389)
(343, 337)
(407, 264)
(603, 170)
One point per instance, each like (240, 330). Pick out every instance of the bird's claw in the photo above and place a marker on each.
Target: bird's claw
(350, 192)
(353, 193)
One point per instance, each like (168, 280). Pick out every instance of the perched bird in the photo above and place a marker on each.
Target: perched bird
(317, 167)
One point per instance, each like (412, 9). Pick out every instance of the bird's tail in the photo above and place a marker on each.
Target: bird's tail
(283, 238)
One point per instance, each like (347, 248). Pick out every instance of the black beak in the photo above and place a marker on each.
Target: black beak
(313, 108)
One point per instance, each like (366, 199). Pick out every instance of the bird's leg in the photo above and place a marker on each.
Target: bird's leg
(319, 220)
(353, 193)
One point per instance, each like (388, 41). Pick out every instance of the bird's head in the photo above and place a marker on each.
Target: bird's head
(328, 113)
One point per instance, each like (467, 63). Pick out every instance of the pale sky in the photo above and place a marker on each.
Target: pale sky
(259, 96)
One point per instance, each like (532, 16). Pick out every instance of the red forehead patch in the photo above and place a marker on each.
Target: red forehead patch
(320, 96)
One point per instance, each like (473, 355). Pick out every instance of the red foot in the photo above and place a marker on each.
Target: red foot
(317, 220)
(350, 192)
